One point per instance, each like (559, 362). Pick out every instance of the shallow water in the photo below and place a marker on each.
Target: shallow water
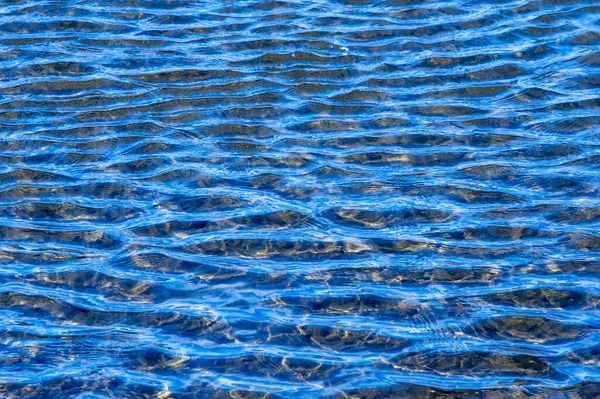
(341, 199)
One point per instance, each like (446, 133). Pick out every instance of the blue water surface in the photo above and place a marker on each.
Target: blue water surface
(299, 199)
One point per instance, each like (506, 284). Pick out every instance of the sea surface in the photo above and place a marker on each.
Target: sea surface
(300, 199)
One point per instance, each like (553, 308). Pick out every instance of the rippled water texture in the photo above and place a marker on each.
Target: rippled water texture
(299, 199)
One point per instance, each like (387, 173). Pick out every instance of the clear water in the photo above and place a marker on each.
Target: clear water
(341, 199)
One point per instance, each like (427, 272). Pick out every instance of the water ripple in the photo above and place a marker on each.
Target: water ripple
(338, 199)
